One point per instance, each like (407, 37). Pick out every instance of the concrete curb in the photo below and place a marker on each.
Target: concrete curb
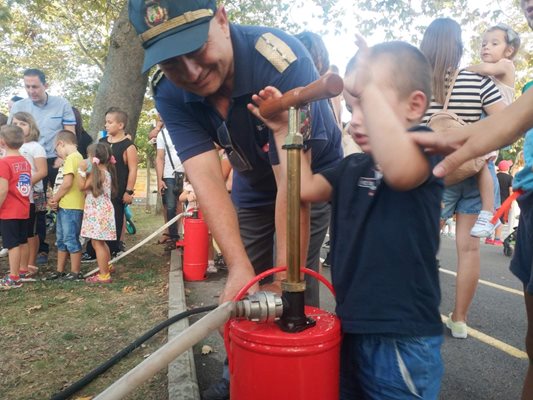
(182, 382)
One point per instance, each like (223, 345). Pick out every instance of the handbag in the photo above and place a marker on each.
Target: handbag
(178, 176)
(39, 199)
(444, 120)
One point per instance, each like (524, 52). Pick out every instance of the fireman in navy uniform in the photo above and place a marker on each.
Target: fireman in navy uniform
(211, 69)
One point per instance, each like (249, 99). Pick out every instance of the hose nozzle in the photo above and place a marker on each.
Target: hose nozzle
(259, 307)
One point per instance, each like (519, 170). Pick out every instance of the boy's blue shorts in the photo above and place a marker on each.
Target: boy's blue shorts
(68, 227)
(461, 198)
(522, 262)
(390, 367)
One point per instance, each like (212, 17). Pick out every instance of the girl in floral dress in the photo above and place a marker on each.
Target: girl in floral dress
(97, 177)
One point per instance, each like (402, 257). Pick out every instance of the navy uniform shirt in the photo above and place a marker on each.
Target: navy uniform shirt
(194, 124)
(383, 248)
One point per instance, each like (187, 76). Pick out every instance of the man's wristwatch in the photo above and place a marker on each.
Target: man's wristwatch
(129, 191)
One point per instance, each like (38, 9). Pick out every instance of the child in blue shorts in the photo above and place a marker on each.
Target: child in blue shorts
(385, 229)
(68, 200)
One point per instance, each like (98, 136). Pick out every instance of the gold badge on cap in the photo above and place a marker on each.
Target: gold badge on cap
(154, 13)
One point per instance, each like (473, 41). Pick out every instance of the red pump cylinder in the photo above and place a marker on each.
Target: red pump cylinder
(195, 247)
(267, 363)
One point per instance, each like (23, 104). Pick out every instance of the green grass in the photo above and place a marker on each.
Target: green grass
(54, 333)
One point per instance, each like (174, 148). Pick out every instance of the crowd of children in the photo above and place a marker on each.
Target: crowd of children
(88, 197)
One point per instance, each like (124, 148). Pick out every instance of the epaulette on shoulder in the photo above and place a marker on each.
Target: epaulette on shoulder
(275, 50)
(154, 80)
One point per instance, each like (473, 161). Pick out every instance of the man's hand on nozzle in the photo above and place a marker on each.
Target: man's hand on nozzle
(238, 277)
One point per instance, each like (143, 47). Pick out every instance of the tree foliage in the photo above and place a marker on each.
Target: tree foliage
(70, 40)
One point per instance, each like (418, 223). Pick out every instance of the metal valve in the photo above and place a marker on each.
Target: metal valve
(260, 307)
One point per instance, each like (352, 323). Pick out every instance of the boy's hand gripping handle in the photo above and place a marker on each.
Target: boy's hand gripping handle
(328, 85)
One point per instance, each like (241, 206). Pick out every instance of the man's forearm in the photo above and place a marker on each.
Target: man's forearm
(205, 175)
(502, 128)
(159, 168)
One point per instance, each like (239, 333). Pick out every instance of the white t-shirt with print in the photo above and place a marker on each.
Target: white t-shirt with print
(30, 151)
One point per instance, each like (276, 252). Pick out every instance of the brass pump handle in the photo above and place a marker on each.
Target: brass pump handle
(328, 85)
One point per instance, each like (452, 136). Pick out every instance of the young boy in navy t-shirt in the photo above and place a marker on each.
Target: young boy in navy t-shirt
(15, 188)
(385, 229)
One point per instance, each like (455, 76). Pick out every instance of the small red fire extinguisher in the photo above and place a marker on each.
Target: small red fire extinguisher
(195, 247)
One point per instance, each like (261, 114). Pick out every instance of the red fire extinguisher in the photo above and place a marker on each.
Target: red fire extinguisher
(267, 363)
(195, 247)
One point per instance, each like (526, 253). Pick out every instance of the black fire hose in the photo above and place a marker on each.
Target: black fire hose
(80, 384)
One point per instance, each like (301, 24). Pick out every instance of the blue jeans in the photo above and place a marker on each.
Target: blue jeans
(522, 262)
(461, 198)
(170, 201)
(68, 227)
(381, 367)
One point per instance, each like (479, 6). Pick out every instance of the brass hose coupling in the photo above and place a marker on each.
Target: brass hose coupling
(259, 307)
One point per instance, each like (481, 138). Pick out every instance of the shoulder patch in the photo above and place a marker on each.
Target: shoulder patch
(154, 80)
(276, 51)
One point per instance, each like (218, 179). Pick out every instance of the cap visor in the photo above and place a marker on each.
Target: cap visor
(177, 44)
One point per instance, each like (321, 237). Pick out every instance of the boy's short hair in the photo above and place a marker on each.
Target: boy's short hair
(36, 72)
(410, 69)
(13, 136)
(67, 137)
(120, 116)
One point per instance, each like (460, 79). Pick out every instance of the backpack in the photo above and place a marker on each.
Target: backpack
(443, 120)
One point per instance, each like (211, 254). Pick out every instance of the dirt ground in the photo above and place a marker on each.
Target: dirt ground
(53, 333)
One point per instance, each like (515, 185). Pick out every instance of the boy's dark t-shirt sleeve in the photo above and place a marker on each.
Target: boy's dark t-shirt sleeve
(334, 174)
(433, 159)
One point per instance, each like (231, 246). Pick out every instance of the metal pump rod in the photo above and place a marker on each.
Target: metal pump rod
(293, 144)
(293, 288)
(329, 85)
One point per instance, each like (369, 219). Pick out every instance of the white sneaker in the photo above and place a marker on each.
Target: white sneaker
(483, 228)
(3, 252)
(459, 330)
(211, 269)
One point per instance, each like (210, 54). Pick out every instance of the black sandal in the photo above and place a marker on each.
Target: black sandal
(171, 245)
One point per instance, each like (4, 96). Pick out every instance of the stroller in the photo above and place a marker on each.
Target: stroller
(509, 243)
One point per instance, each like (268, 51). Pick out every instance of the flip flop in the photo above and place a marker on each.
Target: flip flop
(30, 272)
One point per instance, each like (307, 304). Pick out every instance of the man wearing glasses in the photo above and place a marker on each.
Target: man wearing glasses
(211, 69)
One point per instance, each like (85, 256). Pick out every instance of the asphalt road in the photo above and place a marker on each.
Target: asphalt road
(490, 364)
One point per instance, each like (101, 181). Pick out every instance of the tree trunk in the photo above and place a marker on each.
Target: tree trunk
(122, 83)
